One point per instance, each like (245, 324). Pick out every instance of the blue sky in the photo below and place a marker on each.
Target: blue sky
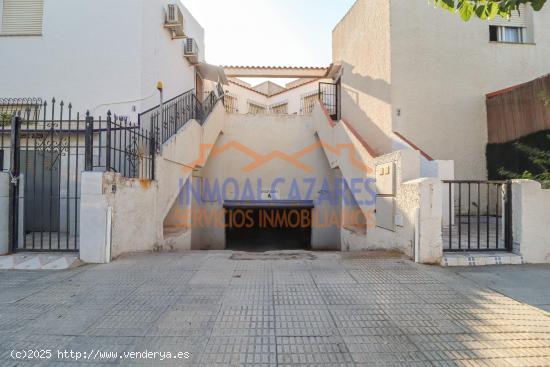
(268, 32)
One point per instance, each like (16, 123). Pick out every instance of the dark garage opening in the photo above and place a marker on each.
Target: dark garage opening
(259, 226)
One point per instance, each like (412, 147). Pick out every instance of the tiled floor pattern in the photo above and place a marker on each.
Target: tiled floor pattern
(331, 311)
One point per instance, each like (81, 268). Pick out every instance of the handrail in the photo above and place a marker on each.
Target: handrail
(157, 106)
(176, 112)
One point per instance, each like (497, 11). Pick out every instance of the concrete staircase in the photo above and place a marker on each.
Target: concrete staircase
(346, 150)
(183, 153)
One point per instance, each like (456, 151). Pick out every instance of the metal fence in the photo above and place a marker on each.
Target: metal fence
(116, 145)
(479, 216)
(330, 95)
(45, 147)
(167, 119)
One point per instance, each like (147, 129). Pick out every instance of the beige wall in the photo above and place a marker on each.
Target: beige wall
(292, 96)
(435, 69)
(442, 68)
(287, 134)
(531, 209)
(361, 43)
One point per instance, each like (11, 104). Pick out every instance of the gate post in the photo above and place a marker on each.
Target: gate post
(14, 183)
(89, 143)
(153, 146)
(508, 232)
(108, 144)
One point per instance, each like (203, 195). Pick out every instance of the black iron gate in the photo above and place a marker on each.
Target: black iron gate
(477, 216)
(46, 156)
(49, 147)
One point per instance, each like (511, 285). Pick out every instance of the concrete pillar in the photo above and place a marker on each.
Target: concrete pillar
(4, 212)
(530, 213)
(95, 220)
(424, 196)
(446, 171)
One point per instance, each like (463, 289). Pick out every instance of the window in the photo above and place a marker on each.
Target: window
(255, 109)
(517, 29)
(21, 17)
(230, 103)
(279, 109)
(308, 102)
(507, 34)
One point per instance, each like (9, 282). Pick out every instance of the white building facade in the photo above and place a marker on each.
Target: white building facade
(423, 72)
(97, 54)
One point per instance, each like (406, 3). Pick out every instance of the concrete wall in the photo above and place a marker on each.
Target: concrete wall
(361, 43)
(531, 210)
(441, 70)
(100, 54)
(292, 96)
(422, 71)
(272, 140)
(120, 215)
(422, 210)
(244, 95)
(4, 212)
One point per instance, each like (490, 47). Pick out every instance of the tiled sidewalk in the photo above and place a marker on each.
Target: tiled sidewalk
(334, 310)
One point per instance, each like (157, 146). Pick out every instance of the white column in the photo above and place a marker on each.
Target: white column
(95, 220)
(4, 212)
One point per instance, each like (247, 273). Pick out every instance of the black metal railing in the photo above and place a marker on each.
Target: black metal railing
(116, 145)
(45, 148)
(209, 103)
(26, 107)
(330, 96)
(220, 91)
(166, 120)
(478, 216)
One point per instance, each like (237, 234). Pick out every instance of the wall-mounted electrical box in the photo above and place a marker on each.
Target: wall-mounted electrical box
(385, 179)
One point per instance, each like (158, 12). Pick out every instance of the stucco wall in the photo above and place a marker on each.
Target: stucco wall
(100, 54)
(4, 212)
(441, 70)
(244, 95)
(531, 210)
(361, 43)
(244, 139)
(292, 96)
(120, 215)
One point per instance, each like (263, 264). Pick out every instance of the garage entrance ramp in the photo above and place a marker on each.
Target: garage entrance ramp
(268, 225)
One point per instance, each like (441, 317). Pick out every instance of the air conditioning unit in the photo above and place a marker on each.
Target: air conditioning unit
(191, 50)
(174, 21)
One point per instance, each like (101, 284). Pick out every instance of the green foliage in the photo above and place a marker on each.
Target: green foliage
(486, 9)
(5, 119)
(544, 97)
(539, 158)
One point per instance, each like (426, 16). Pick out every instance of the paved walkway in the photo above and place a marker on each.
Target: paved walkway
(316, 309)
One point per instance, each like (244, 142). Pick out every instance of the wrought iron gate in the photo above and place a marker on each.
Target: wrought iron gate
(477, 216)
(46, 153)
(49, 147)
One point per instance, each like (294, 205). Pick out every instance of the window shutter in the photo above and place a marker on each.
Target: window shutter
(22, 17)
(516, 19)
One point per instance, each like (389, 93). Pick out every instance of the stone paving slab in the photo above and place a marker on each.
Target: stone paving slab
(311, 309)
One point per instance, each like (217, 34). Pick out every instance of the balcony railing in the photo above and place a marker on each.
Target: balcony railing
(166, 120)
(330, 95)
